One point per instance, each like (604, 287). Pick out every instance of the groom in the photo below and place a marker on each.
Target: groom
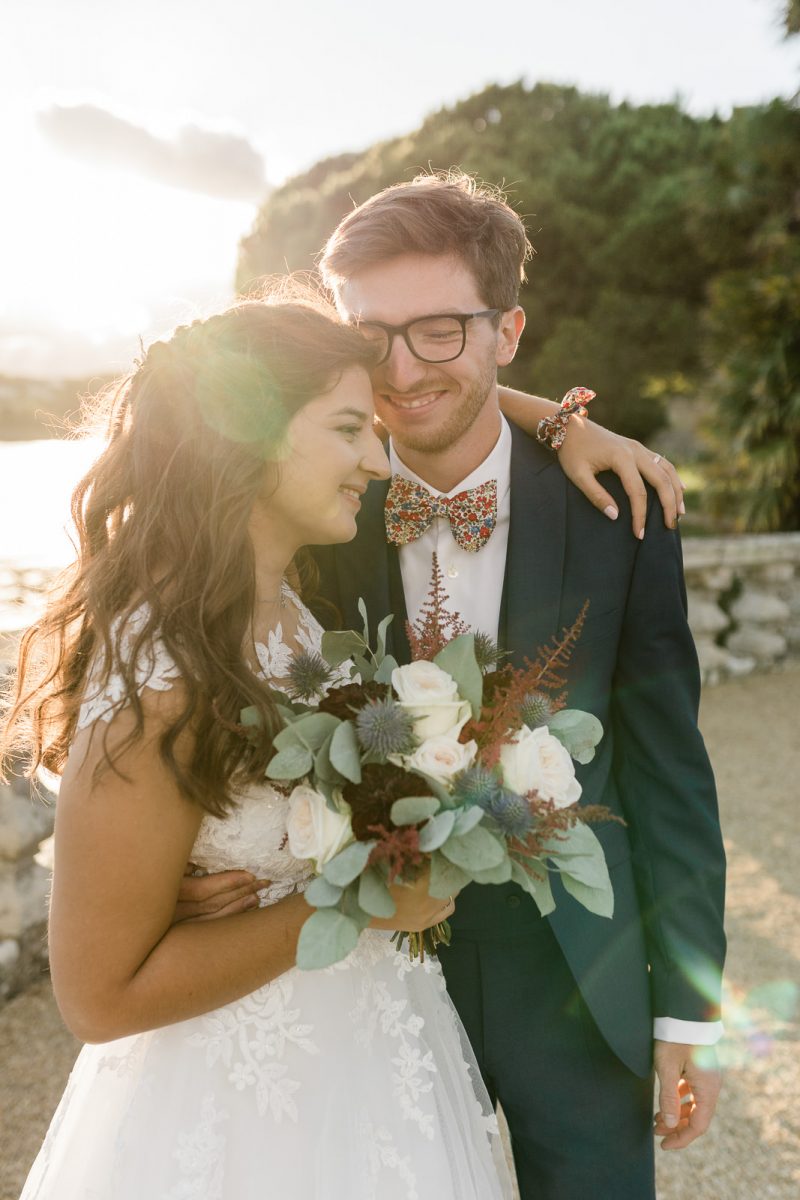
(565, 1014)
(562, 1012)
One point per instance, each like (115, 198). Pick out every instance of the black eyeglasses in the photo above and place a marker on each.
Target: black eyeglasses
(435, 339)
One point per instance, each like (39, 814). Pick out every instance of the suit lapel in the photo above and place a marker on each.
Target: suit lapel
(531, 605)
(368, 567)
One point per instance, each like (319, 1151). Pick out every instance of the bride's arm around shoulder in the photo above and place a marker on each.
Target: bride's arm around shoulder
(122, 839)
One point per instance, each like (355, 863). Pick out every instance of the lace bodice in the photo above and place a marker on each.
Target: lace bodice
(252, 837)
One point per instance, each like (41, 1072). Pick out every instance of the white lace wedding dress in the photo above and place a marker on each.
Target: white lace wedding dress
(351, 1083)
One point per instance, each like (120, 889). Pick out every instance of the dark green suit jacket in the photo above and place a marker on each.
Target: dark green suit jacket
(636, 668)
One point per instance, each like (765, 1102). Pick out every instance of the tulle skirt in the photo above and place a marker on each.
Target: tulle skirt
(351, 1083)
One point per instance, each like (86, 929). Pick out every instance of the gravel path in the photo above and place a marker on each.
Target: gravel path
(753, 1148)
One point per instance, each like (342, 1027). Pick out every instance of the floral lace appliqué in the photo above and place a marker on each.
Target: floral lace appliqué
(250, 1037)
(200, 1157)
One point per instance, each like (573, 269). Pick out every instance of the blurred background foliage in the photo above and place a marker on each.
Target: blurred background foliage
(666, 274)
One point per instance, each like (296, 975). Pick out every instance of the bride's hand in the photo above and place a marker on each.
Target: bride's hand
(204, 897)
(416, 909)
(589, 448)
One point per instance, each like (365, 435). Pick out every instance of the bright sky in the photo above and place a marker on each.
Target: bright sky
(123, 217)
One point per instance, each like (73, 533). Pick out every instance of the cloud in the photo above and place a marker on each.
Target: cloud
(197, 160)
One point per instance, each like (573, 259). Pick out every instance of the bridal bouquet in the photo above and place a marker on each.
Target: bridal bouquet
(453, 763)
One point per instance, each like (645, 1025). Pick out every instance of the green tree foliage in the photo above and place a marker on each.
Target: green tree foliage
(664, 249)
(615, 287)
(746, 222)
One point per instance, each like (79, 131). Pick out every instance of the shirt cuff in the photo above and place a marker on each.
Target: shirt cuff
(691, 1033)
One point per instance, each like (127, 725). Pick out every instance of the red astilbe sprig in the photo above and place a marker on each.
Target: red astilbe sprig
(399, 849)
(505, 692)
(554, 656)
(436, 626)
(551, 822)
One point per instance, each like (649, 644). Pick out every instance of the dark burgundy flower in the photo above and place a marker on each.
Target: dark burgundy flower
(371, 800)
(345, 701)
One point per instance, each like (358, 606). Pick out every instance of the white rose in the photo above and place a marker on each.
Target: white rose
(430, 697)
(314, 830)
(441, 757)
(537, 762)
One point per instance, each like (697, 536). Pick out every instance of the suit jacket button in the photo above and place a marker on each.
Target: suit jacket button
(513, 901)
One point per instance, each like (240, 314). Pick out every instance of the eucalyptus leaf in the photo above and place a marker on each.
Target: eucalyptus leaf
(382, 628)
(446, 878)
(374, 896)
(327, 937)
(250, 716)
(327, 787)
(436, 831)
(362, 608)
(292, 763)
(578, 731)
(344, 752)
(351, 907)
(316, 728)
(598, 900)
(467, 819)
(363, 668)
(499, 874)
(348, 864)
(410, 810)
(322, 894)
(310, 730)
(475, 851)
(538, 888)
(287, 737)
(579, 854)
(339, 645)
(589, 869)
(323, 767)
(384, 671)
(458, 660)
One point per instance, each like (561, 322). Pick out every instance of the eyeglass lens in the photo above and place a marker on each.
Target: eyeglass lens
(432, 339)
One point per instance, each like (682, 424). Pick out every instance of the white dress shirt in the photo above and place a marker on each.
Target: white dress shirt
(474, 585)
(473, 579)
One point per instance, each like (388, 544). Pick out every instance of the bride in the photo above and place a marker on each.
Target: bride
(214, 1068)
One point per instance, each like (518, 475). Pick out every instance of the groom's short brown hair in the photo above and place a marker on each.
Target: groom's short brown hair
(435, 214)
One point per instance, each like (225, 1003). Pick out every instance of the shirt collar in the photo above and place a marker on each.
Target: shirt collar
(496, 465)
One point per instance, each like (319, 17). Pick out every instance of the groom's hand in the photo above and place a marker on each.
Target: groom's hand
(204, 897)
(687, 1092)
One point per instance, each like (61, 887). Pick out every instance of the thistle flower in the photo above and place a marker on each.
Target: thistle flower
(476, 785)
(307, 675)
(536, 709)
(512, 813)
(487, 653)
(384, 728)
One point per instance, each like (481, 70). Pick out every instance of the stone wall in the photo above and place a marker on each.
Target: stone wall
(25, 821)
(744, 610)
(744, 601)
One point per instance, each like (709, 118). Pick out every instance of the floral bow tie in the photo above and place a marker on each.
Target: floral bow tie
(410, 509)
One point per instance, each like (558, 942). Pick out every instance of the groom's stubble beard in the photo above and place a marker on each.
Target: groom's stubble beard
(464, 407)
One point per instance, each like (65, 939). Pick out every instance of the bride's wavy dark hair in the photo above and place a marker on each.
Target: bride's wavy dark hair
(162, 520)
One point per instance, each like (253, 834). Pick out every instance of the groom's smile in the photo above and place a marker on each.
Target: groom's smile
(431, 409)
